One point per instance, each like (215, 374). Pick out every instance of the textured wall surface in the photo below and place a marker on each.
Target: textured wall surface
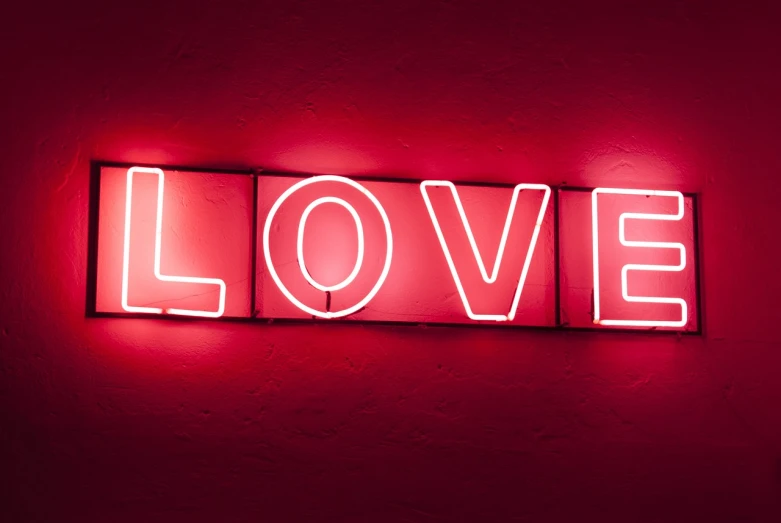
(147, 421)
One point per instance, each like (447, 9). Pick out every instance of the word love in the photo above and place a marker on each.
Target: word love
(227, 245)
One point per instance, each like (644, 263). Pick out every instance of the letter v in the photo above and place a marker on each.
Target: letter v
(497, 263)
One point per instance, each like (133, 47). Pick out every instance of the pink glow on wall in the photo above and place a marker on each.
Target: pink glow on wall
(126, 420)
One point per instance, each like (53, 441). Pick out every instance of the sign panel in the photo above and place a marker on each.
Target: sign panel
(280, 247)
(174, 243)
(637, 261)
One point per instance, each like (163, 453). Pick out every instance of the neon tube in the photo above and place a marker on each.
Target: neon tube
(500, 253)
(158, 249)
(638, 267)
(267, 251)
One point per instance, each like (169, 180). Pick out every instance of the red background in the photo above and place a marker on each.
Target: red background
(117, 420)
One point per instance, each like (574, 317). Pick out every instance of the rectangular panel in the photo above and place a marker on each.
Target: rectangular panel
(219, 245)
(174, 242)
(628, 259)
(458, 253)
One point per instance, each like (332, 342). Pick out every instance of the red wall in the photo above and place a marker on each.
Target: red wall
(134, 420)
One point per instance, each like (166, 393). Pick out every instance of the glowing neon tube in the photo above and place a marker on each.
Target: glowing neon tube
(359, 226)
(475, 251)
(638, 267)
(158, 250)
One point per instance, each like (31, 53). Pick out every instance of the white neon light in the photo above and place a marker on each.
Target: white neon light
(388, 255)
(158, 249)
(638, 267)
(359, 259)
(475, 251)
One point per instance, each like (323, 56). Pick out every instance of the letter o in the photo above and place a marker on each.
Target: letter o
(388, 235)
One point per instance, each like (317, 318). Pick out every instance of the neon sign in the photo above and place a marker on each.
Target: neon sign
(174, 243)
